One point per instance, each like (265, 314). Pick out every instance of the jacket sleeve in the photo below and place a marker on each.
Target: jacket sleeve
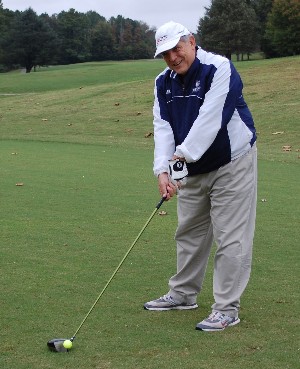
(163, 135)
(211, 115)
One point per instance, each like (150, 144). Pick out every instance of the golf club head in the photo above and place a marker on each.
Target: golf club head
(56, 345)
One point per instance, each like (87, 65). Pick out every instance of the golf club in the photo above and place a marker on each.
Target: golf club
(58, 344)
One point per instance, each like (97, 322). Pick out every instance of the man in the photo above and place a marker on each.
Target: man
(202, 120)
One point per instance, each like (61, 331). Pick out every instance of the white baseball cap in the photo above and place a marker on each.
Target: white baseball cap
(168, 35)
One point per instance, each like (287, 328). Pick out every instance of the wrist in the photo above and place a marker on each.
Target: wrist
(162, 173)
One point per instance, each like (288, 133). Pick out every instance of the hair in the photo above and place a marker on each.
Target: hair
(185, 38)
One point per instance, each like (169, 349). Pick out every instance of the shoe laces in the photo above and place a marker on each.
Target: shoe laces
(168, 298)
(219, 317)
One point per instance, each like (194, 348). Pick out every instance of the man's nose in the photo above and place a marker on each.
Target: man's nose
(172, 55)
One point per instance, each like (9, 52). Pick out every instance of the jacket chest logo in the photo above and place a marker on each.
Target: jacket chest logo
(197, 87)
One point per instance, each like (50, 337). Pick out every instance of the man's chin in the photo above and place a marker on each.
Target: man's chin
(180, 69)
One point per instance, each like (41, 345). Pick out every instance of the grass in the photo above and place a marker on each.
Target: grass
(105, 113)
(74, 136)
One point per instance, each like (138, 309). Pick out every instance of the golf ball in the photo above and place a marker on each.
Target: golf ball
(67, 344)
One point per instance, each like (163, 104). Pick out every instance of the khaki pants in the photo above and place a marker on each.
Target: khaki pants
(219, 206)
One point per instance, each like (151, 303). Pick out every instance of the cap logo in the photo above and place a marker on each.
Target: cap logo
(165, 37)
(161, 39)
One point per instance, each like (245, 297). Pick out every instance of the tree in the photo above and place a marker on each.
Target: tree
(29, 42)
(132, 38)
(118, 25)
(229, 26)
(102, 42)
(3, 30)
(283, 27)
(73, 33)
(262, 9)
(94, 18)
(143, 39)
(6, 17)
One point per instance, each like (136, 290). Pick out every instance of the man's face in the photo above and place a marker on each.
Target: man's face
(181, 57)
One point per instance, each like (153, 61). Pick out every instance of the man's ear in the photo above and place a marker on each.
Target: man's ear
(192, 41)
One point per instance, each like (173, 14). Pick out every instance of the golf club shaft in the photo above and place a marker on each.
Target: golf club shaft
(119, 266)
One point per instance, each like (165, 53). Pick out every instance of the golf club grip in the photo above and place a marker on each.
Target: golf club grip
(161, 202)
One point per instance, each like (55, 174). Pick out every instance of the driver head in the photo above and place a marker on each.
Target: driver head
(56, 345)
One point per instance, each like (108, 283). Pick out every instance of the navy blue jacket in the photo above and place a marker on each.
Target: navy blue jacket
(201, 116)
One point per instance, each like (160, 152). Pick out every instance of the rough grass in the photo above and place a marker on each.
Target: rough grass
(272, 90)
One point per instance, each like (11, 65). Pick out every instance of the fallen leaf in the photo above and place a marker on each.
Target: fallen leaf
(280, 302)
(287, 148)
(44, 119)
(148, 134)
(20, 184)
(278, 133)
(162, 213)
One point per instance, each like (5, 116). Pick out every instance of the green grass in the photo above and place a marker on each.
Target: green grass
(78, 75)
(87, 191)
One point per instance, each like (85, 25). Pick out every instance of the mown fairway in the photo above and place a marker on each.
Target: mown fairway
(76, 188)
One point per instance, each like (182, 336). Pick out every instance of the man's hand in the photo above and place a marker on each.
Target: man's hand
(177, 170)
(166, 188)
(175, 157)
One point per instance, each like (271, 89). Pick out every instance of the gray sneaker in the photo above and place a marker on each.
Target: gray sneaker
(217, 322)
(167, 302)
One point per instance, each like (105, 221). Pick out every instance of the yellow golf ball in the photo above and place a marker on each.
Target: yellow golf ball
(67, 344)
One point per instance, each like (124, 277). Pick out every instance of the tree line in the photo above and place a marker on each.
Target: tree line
(70, 37)
(243, 26)
(228, 27)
